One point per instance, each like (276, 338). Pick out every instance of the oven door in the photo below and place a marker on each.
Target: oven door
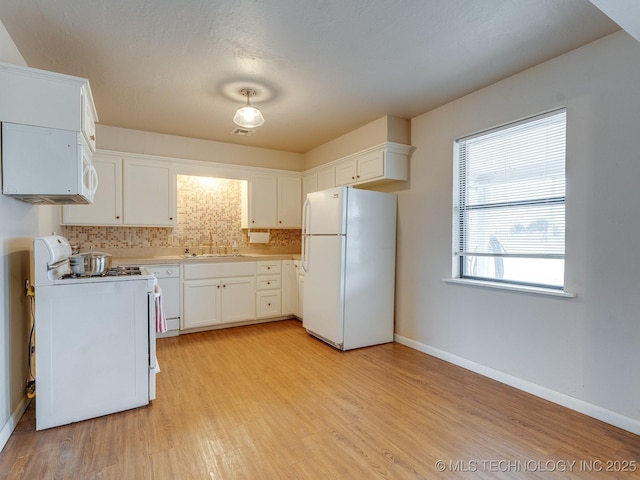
(92, 350)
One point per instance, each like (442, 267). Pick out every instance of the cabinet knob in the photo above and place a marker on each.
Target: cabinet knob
(253, 221)
(170, 218)
(92, 137)
(218, 286)
(224, 286)
(268, 304)
(268, 283)
(117, 217)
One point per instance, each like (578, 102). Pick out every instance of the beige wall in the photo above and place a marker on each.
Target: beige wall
(19, 223)
(136, 141)
(582, 352)
(384, 129)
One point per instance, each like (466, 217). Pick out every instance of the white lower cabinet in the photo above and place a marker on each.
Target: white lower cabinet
(236, 299)
(201, 300)
(289, 288)
(268, 304)
(268, 289)
(218, 293)
(300, 288)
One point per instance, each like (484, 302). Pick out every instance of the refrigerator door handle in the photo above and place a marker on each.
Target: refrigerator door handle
(306, 216)
(305, 253)
(306, 219)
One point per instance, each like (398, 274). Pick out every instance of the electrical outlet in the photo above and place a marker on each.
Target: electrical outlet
(26, 287)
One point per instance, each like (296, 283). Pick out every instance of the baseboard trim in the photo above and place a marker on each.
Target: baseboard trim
(12, 421)
(626, 423)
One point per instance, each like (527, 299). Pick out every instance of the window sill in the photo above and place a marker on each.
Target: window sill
(516, 288)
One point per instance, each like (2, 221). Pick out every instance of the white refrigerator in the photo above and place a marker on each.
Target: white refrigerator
(348, 254)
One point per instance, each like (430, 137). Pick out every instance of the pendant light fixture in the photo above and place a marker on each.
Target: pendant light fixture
(248, 116)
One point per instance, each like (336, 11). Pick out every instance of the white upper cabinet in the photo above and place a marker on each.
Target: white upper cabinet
(326, 178)
(275, 201)
(47, 99)
(309, 184)
(383, 163)
(263, 207)
(149, 193)
(362, 168)
(107, 201)
(135, 192)
(89, 117)
(346, 172)
(289, 202)
(374, 166)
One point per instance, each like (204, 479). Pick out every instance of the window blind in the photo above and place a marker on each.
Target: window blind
(511, 201)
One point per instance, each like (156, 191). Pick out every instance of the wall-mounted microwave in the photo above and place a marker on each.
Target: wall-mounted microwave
(47, 165)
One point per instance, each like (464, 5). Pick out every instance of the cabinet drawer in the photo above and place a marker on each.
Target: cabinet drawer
(216, 270)
(268, 304)
(268, 282)
(268, 267)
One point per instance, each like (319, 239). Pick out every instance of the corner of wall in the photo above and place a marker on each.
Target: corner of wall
(384, 129)
(9, 53)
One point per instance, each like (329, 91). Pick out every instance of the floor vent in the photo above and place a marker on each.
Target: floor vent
(243, 132)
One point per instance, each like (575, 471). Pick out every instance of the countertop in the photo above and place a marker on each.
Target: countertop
(181, 259)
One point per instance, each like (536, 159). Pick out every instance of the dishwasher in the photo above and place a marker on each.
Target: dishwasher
(169, 280)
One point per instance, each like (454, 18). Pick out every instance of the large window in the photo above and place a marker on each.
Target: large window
(509, 211)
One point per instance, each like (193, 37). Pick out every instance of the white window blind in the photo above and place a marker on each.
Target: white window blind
(511, 215)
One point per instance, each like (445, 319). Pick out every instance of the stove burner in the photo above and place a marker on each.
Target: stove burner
(120, 271)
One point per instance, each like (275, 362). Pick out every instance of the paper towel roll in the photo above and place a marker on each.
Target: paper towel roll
(258, 237)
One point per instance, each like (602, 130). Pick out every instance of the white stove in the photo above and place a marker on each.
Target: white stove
(95, 338)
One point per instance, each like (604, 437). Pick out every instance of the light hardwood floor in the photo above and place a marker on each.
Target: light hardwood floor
(270, 402)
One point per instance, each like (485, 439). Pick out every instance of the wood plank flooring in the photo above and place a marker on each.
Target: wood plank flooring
(270, 402)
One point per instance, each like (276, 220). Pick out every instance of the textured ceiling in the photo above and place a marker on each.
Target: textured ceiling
(320, 67)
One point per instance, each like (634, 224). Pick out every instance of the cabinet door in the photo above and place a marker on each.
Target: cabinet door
(89, 117)
(346, 173)
(370, 165)
(289, 288)
(327, 178)
(149, 193)
(300, 313)
(263, 211)
(289, 202)
(237, 302)
(201, 303)
(309, 185)
(107, 202)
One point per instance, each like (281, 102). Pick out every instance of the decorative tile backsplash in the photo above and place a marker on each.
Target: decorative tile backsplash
(207, 208)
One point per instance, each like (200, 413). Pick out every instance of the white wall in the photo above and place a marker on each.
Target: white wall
(136, 141)
(19, 222)
(583, 352)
